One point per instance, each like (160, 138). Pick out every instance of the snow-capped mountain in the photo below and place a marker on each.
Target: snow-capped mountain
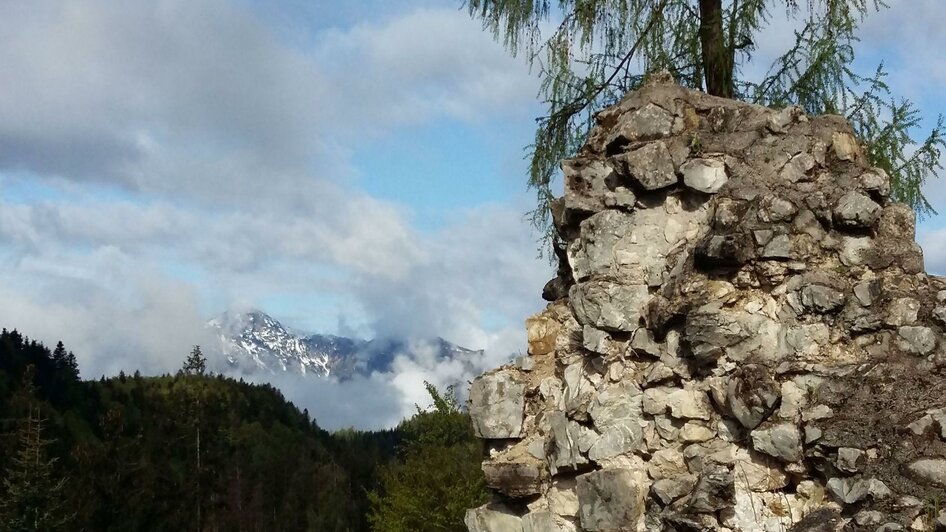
(252, 342)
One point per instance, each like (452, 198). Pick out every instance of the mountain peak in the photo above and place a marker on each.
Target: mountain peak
(251, 341)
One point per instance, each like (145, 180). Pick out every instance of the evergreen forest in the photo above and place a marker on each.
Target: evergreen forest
(201, 452)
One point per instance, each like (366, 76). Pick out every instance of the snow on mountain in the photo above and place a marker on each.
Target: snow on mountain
(250, 343)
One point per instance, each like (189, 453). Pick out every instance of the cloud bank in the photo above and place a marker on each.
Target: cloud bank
(162, 161)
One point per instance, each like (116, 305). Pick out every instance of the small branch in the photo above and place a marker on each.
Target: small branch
(577, 105)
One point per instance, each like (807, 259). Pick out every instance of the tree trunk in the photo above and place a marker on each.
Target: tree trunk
(717, 53)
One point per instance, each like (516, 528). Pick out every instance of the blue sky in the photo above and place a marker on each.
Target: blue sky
(350, 167)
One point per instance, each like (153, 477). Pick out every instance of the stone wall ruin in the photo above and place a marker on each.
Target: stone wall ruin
(741, 337)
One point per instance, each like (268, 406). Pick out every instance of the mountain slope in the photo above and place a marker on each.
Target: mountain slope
(251, 343)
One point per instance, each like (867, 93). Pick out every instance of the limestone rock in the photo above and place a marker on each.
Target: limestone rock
(867, 292)
(694, 432)
(714, 490)
(586, 185)
(798, 167)
(595, 340)
(855, 209)
(916, 340)
(610, 499)
(666, 463)
(752, 395)
(807, 339)
(778, 122)
(616, 413)
(545, 522)
(563, 497)
(757, 472)
(741, 336)
(515, 479)
(492, 518)
(931, 471)
(671, 489)
(845, 146)
(713, 331)
(939, 312)
(699, 456)
(902, 311)
(541, 333)
(651, 166)
(852, 490)
(780, 247)
(821, 298)
(783, 441)
(496, 406)
(564, 451)
(850, 459)
(680, 402)
(876, 180)
(773, 209)
(607, 306)
(648, 122)
(704, 175)
(578, 389)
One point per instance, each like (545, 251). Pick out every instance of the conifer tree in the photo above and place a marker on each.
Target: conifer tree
(598, 50)
(196, 363)
(32, 496)
(59, 354)
(65, 360)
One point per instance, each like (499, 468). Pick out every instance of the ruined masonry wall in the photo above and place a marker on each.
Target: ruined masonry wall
(741, 337)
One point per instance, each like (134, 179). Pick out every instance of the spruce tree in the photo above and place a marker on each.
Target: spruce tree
(59, 354)
(598, 50)
(196, 363)
(32, 496)
(65, 361)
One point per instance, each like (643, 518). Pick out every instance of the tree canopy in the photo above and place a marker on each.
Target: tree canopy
(589, 53)
(437, 476)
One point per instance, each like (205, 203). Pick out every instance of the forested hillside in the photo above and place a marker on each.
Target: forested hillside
(189, 452)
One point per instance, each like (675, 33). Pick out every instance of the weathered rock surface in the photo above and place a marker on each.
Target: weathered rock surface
(492, 518)
(496, 403)
(740, 337)
(610, 499)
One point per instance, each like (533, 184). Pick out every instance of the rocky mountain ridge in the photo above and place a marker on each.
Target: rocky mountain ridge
(252, 342)
(741, 337)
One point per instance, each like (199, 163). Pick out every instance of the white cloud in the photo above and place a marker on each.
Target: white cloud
(188, 156)
(98, 89)
(150, 324)
(430, 62)
(360, 403)
(202, 100)
(483, 262)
